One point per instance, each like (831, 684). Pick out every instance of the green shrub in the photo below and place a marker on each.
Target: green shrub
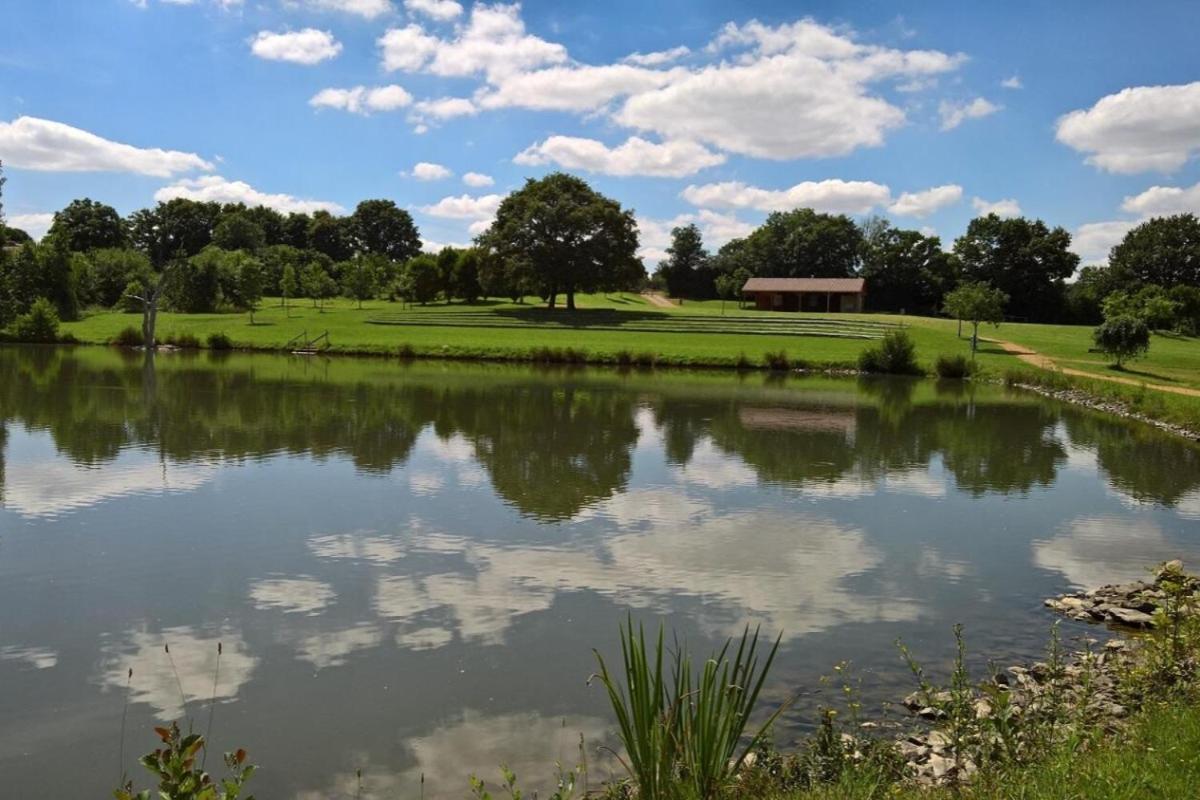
(955, 366)
(129, 337)
(219, 341)
(39, 324)
(777, 361)
(1122, 337)
(185, 341)
(896, 354)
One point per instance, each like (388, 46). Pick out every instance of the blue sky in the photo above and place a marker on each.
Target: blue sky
(1084, 114)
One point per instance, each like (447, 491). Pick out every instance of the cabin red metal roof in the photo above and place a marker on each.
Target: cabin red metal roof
(834, 285)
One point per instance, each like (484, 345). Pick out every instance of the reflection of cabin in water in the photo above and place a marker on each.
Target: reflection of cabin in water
(806, 294)
(820, 420)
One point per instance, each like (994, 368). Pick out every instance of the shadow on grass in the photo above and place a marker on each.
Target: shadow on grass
(1138, 373)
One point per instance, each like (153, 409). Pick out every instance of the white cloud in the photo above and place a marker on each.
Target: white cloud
(214, 188)
(1013, 82)
(658, 58)
(673, 159)
(493, 43)
(955, 114)
(1093, 241)
(832, 196)
(465, 207)
(46, 145)
(444, 108)
(922, 204)
(426, 171)
(574, 88)
(309, 46)
(1144, 128)
(802, 91)
(299, 595)
(716, 228)
(477, 179)
(1161, 201)
(368, 9)
(35, 225)
(1001, 208)
(406, 48)
(362, 100)
(441, 10)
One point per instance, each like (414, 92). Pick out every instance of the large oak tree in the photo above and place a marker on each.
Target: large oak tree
(572, 237)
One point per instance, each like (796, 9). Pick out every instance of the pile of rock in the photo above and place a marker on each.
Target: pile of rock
(1087, 687)
(1131, 605)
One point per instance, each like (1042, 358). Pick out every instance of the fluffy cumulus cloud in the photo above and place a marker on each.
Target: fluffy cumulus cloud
(1093, 241)
(477, 179)
(798, 90)
(1001, 208)
(1161, 201)
(658, 58)
(427, 171)
(35, 225)
(493, 43)
(42, 144)
(465, 207)
(363, 99)
(922, 204)
(443, 108)
(440, 10)
(213, 188)
(673, 159)
(832, 196)
(1140, 129)
(368, 9)
(309, 46)
(955, 114)
(1013, 82)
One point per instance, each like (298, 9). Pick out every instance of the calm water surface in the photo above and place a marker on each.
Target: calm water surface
(408, 566)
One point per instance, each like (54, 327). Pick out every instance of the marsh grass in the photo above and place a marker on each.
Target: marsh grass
(683, 728)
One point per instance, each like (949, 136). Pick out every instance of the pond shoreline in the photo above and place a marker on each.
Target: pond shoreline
(1086, 399)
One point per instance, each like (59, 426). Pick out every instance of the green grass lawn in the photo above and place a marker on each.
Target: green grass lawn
(695, 334)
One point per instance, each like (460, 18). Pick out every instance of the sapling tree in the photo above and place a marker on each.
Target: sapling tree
(976, 303)
(1122, 337)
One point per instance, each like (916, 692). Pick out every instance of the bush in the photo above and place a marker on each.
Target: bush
(39, 324)
(956, 366)
(129, 337)
(1122, 337)
(219, 341)
(777, 361)
(185, 341)
(896, 354)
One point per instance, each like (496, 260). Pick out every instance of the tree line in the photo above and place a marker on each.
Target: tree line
(553, 237)
(1024, 260)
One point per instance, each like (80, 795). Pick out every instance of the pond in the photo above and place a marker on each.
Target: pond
(407, 565)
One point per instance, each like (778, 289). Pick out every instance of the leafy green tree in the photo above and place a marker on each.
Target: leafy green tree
(1122, 337)
(87, 225)
(1085, 297)
(379, 227)
(317, 284)
(239, 231)
(447, 261)
(289, 284)
(13, 237)
(268, 220)
(1026, 260)
(1151, 304)
(905, 270)
(569, 234)
(110, 271)
(803, 243)
(976, 302)
(1164, 251)
(295, 230)
(178, 228)
(729, 286)
(40, 270)
(331, 235)
(249, 281)
(465, 285)
(421, 280)
(1187, 304)
(686, 264)
(38, 324)
(197, 281)
(361, 276)
(275, 258)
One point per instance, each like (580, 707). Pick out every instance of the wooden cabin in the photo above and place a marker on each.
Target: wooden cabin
(830, 295)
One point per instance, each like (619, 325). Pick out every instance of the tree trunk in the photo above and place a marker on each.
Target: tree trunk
(570, 299)
(974, 338)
